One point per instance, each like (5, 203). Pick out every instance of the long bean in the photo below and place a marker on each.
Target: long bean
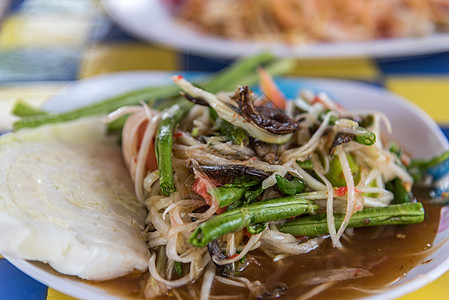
(275, 68)
(237, 73)
(259, 212)
(364, 137)
(249, 197)
(256, 228)
(228, 195)
(103, 107)
(177, 267)
(23, 109)
(307, 164)
(164, 144)
(232, 192)
(391, 215)
(227, 79)
(401, 195)
(291, 187)
(434, 161)
(437, 166)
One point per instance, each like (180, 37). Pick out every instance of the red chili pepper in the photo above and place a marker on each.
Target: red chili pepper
(315, 100)
(200, 187)
(318, 99)
(341, 191)
(233, 256)
(177, 134)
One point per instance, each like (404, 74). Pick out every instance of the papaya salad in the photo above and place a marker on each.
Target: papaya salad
(237, 181)
(223, 174)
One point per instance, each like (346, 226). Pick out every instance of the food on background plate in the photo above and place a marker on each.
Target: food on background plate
(250, 195)
(310, 21)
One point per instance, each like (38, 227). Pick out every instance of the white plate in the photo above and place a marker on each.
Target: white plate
(412, 128)
(151, 21)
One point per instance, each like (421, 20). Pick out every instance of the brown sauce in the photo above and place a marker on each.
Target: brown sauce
(388, 252)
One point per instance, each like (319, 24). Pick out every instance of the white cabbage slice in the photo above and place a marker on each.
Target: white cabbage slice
(66, 199)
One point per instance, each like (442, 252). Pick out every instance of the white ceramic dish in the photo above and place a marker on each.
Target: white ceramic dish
(412, 128)
(151, 21)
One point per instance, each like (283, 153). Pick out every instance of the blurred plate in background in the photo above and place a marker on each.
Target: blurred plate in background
(151, 21)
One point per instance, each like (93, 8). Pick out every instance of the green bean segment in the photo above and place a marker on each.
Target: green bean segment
(177, 267)
(164, 143)
(391, 215)
(306, 165)
(423, 163)
(418, 168)
(364, 137)
(260, 212)
(292, 187)
(250, 196)
(103, 107)
(23, 109)
(400, 193)
(256, 228)
(228, 195)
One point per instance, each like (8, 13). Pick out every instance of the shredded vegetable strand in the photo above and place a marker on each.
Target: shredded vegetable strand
(147, 143)
(311, 144)
(350, 208)
(170, 283)
(251, 245)
(208, 279)
(329, 204)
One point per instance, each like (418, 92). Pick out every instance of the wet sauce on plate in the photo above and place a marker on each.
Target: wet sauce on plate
(388, 252)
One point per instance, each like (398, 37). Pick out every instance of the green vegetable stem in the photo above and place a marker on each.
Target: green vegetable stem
(228, 195)
(177, 267)
(232, 192)
(23, 109)
(259, 212)
(103, 107)
(398, 214)
(401, 195)
(164, 144)
(364, 137)
(437, 167)
(256, 228)
(292, 187)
